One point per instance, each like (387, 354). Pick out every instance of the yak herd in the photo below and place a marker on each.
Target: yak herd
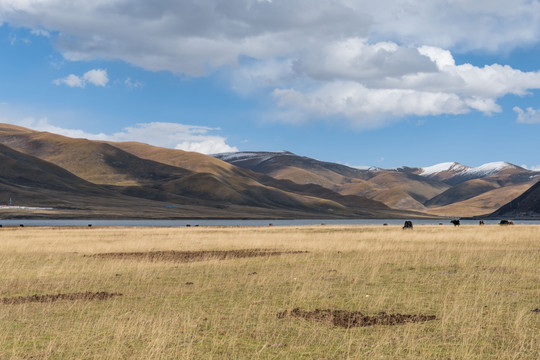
(408, 225)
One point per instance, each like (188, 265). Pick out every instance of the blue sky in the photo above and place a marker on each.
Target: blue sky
(385, 84)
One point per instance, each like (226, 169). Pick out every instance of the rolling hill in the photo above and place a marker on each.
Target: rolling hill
(373, 183)
(179, 177)
(110, 177)
(222, 171)
(446, 189)
(527, 205)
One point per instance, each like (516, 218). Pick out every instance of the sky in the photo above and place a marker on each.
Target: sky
(388, 83)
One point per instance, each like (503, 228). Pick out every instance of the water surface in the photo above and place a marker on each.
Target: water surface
(299, 222)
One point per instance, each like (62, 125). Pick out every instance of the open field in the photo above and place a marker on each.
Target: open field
(181, 293)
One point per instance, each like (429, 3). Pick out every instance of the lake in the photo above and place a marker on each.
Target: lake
(298, 222)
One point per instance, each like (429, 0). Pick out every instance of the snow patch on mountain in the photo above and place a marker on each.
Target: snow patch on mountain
(484, 170)
(491, 168)
(442, 167)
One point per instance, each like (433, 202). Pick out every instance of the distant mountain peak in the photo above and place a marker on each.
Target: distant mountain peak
(443, 167)
(494, 167)
(453, 173)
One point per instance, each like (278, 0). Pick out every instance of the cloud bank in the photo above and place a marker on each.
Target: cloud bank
(361, 60)
(170, 135)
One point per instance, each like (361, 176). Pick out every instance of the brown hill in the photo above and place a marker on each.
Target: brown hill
(526, 205)
(415, 186)
(161, 176)
(96, 162)
(481, 204)
(463, 191)
(246, 181)
(397, 198)
(447, 189)
(374, 183)
(31, 181)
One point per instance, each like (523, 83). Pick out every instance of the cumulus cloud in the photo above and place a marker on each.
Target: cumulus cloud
(178, 136)
(170, 135)
(71, 81)
(491, 25)
(214, 145)
(433, 84)
(358, 59)
(96, 77)
(527, 116)
(43, 124)
(189, 35)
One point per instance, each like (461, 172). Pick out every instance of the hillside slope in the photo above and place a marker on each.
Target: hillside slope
(526, 205)
(218, 171)
(179, 177)
(372, 183)
(450, 189)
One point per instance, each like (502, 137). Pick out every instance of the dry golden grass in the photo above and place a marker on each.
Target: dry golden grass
(480, 282)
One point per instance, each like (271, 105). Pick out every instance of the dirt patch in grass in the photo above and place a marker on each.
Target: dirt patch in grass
(102, 295)
(187, 256)
(349, 319)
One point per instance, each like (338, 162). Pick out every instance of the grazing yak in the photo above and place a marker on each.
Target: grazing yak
(407, 225)
(506, 222)
(455, 222)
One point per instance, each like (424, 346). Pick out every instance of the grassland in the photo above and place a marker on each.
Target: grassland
(481, 283)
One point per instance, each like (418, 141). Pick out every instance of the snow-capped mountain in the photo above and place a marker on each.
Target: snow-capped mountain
(452, 167)
(454, 173)
(492, 168)
(448, 188)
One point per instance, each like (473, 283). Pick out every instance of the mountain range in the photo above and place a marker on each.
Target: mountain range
(446, 189)
(81, 178)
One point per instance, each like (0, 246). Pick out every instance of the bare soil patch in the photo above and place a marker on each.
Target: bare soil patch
(349, 319)
(188, 256)
(102, 295)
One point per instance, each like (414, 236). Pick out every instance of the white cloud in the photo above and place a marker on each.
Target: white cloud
(71, 81)
(532, 168)
(42, 124)
(262, 75)
(527, 116)
(492, 25)
(211, 146)
(178, 136)
(427, 82)
(189, 36)
(170, 135)
(96, 77)
(356, 59)
(318, 58)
